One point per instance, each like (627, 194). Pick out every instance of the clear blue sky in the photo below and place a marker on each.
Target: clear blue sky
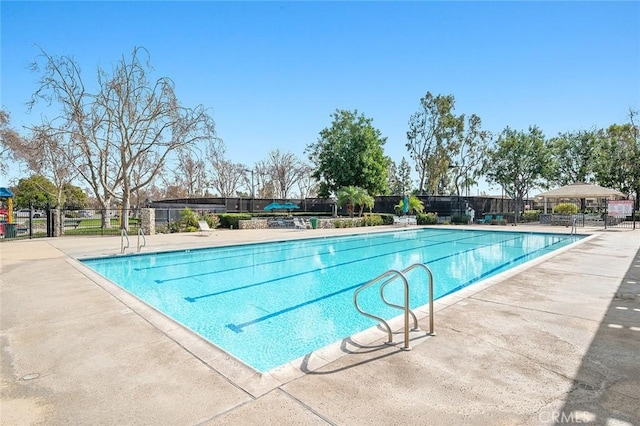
(271, 73)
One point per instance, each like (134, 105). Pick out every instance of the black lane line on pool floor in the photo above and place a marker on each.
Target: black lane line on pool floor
(495, 269)
(384, 241)
(322, 242)
(270, 262)
(194, 299)
(237, 328)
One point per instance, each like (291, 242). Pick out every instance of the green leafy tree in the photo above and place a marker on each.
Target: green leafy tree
(618, 163)
(574, 157)
(400, 181)
(35, 190)
(519, 163)
(395, 187)
(432, 133)
(40, 191)
(349, 153)
(352, 196)
(468, 154)
(74, 197)
(404, 176)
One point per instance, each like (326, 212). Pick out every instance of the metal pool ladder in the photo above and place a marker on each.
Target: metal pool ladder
(123, 237)
(573, 226)
(144, 240)
(389, 277)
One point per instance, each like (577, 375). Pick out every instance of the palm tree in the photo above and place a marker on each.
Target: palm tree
(415, 205)
(366, 201)
(352, 196)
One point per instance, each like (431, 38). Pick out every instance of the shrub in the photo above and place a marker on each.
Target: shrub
(342, 223)
(229, 220)
(387, 219)
(460, 220)
(565, 208)
(427, 219)
(372, 220)
(212, 220)
(173, 226)
(531, 216)
(189, 219)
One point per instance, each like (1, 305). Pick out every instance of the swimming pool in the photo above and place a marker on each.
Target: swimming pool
(270, 303)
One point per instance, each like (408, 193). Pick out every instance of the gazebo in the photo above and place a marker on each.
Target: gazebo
(579, 191)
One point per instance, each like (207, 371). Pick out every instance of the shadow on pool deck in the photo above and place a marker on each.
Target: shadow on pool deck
(550, 339)
(607, 386)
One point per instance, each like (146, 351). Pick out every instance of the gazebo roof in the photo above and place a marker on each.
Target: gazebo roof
(5, 193)
(582, 190)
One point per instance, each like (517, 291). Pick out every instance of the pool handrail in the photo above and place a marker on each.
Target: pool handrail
(415, 320)
(395, 274)
(416, 327)
(144, 240)
(390, 276)
(123, 236)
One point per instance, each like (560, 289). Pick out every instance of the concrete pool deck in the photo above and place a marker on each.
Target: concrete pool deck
(556, 341)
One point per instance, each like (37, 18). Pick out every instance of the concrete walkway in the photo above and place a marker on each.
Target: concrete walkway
(555, 341)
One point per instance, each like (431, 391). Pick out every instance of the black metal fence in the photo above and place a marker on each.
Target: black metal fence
(442, 205)
(26, 223)
(98, 221)
(34, 223)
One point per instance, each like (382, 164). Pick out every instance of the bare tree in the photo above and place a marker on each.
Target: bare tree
(9, 140)
(307, 185)
(263, 181)
(124, 134)
(285, 169)
(226, 176)
(190, 173)
(45, 152)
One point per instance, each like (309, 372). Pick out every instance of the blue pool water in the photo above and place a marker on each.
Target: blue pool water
(270, 303)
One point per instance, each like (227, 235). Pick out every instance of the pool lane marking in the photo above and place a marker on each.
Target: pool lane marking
(279, 249)
(235, 268)
(497, 268)
(193, 299)
(237, 328)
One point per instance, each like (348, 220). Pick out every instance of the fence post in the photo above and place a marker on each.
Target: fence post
(148, 221)
(57, 225)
